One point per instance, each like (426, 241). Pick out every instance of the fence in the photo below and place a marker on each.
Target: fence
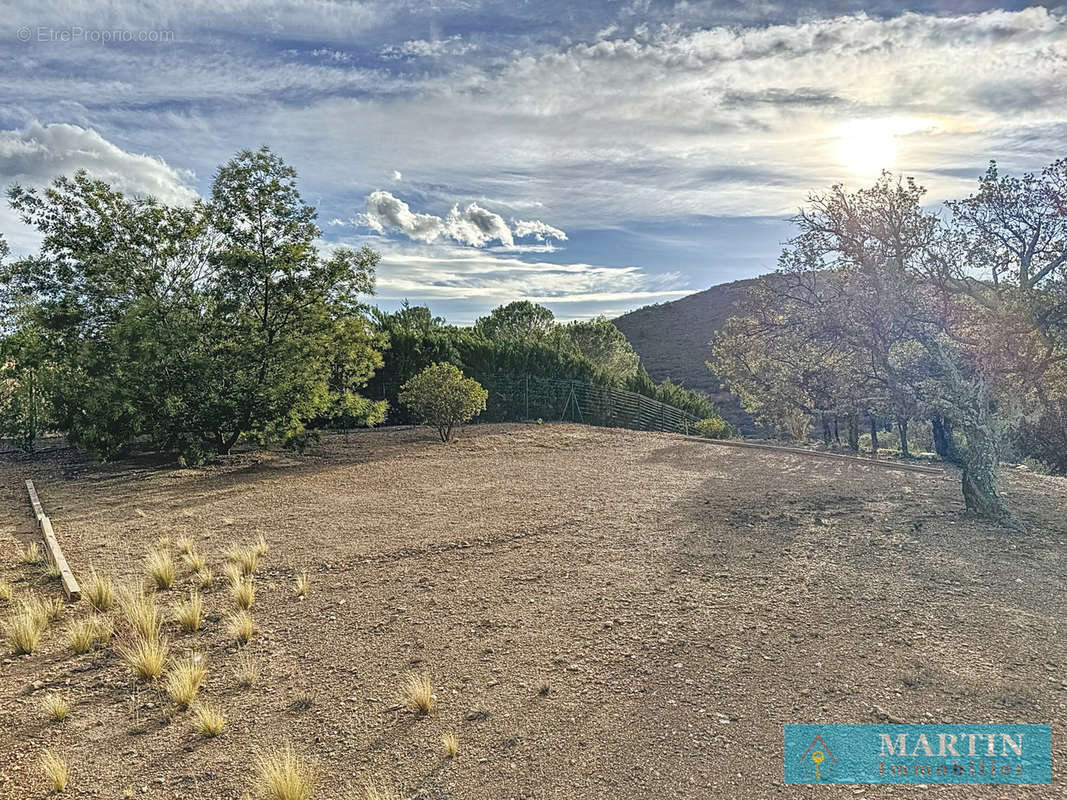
(527, 397)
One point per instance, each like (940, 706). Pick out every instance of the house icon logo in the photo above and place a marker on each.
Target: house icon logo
(818, 761)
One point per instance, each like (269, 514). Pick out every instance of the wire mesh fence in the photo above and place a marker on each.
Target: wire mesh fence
(528, 397)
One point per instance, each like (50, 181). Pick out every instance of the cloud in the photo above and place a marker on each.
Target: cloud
(463, 282)
(539, 230)
(36, 153)
(388, 213)
(474, 225)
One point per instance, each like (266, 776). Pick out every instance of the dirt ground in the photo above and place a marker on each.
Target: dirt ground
(604, 614)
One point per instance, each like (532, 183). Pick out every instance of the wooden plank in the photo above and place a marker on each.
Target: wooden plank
(869, 462)
(55, 552)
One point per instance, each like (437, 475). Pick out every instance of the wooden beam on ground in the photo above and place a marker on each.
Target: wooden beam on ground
(867, 462)
(55, 552)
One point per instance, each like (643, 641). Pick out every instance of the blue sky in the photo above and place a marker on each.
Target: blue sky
(595, 157)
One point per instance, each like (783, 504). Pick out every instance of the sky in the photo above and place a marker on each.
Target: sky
(594, 157)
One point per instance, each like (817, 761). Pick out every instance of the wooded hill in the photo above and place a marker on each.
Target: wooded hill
(672, 340)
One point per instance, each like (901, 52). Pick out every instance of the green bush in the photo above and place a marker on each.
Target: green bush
(442, 397)
(714, 428)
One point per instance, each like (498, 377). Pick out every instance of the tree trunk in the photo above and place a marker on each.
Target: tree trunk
(980, 465)
(874, 437)
(902, 429)
(943, 445)
(837, 432)
(825, 430)
(854, 433)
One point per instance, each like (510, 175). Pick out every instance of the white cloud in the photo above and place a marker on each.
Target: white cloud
(539, 230)
(474, 225)
(36, 153)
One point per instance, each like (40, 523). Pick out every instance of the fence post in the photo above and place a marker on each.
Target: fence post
(527, 398)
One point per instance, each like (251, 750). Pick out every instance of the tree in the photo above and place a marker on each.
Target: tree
(605, 345)
(518, 321)
(442, 397)
(194, 326)
(860, 281)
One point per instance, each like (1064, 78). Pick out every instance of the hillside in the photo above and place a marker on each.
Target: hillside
(672, 340)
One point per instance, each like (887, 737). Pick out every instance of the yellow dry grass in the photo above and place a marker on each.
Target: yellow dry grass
(418, 694)
(240, 626)
(55, 769)
(184, 679)
(55, 706)
(284, 775)
(160, 568)
(99, 591)
(243, 593)
(189, 614)
(208, 719)
(145, 658)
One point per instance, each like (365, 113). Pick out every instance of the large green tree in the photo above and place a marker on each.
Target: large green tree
(193, 326)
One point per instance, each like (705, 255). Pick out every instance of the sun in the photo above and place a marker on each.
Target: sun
(867, 146)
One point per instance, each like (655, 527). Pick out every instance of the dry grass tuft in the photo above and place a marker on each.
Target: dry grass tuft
(55, 706)
(243, 594)
(284, 775)
(208, 720)
(52, 572)
(185, 545)
(246, 670)
(232, 573)
(205, 578)
(260, 546)
(141, 612)
(240, 626)
(31, 555)
(51, 610)
(246, 559)
(7, 592)
(89, 632)
(189, 614)
(146, 658)
(55, 770)
(184, 679)
(24, 628)
(303, 584)
(418, 693)
(160, 568)
(194, 562)
(99, 591)
(451, 744)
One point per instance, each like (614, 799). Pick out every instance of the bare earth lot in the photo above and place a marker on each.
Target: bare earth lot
(680, 602)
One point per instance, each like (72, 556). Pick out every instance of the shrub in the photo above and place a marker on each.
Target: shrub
(55, 706)
(24, 629)
(303, 584)
(243, 593)
(714, 428)
(189, 613)
(246, 671)
(194, 561)
(184, 679)
(208, 720)
(31, 555)
(442, 397)
(89, 632)
(451, 744)
(99, 591)
(418, 694)
(283, 775)
(160, 567)
(145, 658)
(141, 613)
(240, 627)
(55, 770)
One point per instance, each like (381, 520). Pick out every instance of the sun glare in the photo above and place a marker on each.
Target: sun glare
(866, 147)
